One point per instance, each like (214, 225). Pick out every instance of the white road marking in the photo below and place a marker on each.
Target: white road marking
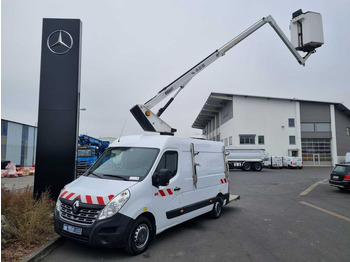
(308, 190)
(326, 211)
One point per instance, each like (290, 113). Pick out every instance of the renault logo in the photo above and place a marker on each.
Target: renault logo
(76, 205)
(59, 42)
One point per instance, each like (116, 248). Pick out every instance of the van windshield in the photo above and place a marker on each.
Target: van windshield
(126, 163)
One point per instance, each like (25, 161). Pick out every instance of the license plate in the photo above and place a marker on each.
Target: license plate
(336, 177)
(72, 229)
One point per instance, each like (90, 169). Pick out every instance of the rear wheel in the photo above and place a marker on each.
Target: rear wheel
(342, 189)
(247, 167)
(139, 236)
(217, 209)
(257, 167)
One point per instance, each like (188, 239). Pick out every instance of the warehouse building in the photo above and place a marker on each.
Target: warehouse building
(18, 143)
(319, 132)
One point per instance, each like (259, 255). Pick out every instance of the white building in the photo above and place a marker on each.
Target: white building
(317, 131)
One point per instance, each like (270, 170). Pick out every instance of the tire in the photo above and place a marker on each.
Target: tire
(300, 167)
(139, 236)
(217, 209)
(257, 167)
(247, 167)
(342, 189)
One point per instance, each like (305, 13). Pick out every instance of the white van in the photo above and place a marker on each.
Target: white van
(293, 162)
(273, 162)
(141, 186)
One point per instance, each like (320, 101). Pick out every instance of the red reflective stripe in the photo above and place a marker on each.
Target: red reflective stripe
(221, 181)
(225, 180)
(65, 192)
(161, 192)
(70, 195)
(110, 197)
(100, 200)
(169, 191)
(88, 199)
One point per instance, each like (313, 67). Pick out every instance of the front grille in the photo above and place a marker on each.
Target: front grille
(84, 216)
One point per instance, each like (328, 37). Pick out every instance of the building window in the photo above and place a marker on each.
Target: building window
(247, 139)
(291, 122)
(307, 127)
(292, 140)
(230, 140)
(323, 127)
(315, 127)
(348, 131)
(261, 140)
(226, 141)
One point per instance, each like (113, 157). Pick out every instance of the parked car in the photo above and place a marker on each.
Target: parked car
(340, 176)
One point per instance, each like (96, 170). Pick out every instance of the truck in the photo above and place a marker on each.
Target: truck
(246, 159)
(89, 149)
(143, 185)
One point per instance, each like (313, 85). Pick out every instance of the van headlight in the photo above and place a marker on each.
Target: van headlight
(115, 205)
(58, 205)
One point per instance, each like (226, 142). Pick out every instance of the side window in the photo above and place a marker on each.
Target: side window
(168, 161)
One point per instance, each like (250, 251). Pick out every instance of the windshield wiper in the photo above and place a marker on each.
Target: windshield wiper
(121, 177)
(92, 173)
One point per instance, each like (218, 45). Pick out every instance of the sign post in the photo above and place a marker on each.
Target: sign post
(59, 97)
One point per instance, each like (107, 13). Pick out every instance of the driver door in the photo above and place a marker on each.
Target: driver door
(167, 198)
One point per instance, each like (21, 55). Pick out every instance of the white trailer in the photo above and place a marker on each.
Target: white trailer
(246, 159)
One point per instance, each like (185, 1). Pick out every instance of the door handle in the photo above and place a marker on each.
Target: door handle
(177, 188)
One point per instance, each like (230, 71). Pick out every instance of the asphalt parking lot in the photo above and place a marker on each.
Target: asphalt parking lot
(283, 215)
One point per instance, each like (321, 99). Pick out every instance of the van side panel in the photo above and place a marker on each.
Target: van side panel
(210, 182)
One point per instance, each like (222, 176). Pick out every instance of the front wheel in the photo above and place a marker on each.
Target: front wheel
(139, 236)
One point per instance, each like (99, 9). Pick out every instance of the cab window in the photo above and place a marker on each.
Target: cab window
(168, 161)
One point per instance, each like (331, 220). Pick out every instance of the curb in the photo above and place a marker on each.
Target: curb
(43, 251)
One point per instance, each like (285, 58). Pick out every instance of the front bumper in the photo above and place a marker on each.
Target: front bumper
(342, 184)
(110, 232)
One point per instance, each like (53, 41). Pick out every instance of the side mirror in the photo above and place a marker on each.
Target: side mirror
(161, 178)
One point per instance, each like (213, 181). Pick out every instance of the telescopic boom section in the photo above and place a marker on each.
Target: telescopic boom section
(152, 122)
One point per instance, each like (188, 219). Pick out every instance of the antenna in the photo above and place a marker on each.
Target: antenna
(122, 131)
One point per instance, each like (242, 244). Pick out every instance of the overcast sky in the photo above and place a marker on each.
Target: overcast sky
(132, 49)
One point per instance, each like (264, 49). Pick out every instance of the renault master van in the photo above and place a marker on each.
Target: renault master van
(141, 186)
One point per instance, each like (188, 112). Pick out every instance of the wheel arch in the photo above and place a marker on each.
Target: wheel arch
(152, 219)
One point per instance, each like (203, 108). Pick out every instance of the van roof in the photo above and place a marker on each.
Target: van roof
(165, 141)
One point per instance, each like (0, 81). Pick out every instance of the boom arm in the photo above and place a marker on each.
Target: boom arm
(151, 122)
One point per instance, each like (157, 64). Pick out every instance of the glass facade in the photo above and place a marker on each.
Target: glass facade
(316, 151)
(18, 143)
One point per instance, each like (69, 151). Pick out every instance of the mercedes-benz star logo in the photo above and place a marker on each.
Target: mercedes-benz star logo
(76, 205)
(59, 42)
